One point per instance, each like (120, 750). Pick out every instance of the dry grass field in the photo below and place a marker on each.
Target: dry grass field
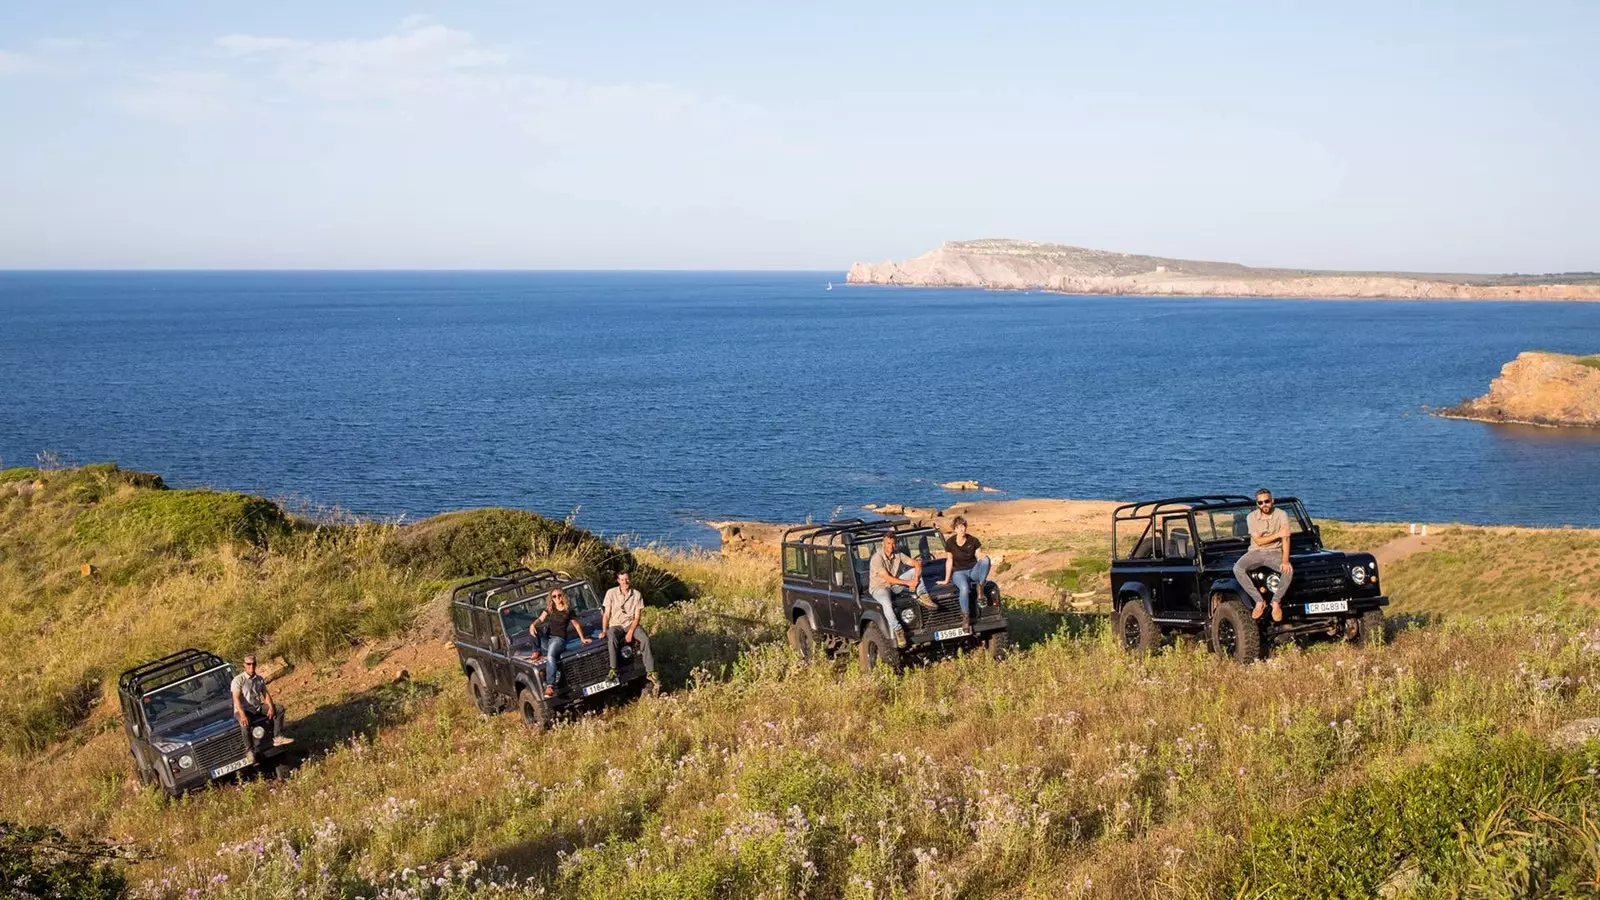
(1429, 766)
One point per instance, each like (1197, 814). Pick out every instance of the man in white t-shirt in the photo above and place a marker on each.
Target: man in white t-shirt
(619, 622)
(1269, 549)
(251, 697)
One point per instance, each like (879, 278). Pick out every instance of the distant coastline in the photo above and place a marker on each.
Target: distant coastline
(1012, 265)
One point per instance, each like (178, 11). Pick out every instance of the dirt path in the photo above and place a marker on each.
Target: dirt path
(1402, 547)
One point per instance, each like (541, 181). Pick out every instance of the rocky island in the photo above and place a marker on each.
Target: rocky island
(1028, 265)
(1539, 388)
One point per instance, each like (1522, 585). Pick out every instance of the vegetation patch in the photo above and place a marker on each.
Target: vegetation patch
(1513, 818)
(190, 520)
(1088, 573)
(478, 542)
(42, 862)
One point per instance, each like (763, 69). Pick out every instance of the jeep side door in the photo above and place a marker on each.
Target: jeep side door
(1179, 569)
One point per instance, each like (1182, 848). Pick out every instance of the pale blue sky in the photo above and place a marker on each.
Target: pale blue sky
(1428, 135)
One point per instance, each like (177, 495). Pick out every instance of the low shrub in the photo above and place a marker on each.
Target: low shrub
(42, 862)
(190, 520)
(1503, 814)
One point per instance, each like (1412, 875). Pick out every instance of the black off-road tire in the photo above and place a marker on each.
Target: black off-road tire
(997, 645)
(876, 650)
(803, 640)
(483, 698)
(535, 712)
(1136, 631)
(1369, 629)
(1234, 634)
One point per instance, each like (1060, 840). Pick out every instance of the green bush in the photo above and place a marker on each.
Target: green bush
(18, 474)
(479, 542)
(1497, 816)
(190, 520)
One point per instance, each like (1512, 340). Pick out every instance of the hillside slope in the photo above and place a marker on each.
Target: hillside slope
(1537, 388)
(1067, 770)
(1000, 264)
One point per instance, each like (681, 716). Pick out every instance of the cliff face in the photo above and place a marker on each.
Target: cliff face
(1539, 389)
(1026, 265)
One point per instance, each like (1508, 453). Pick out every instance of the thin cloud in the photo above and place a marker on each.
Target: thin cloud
(14, 63)
(179, 98)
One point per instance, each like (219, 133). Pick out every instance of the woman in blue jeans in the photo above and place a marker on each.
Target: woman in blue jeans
(963, 565)
(557, 616)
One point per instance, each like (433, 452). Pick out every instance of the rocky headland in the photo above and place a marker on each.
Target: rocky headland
(1539, 388)
(1029, 265)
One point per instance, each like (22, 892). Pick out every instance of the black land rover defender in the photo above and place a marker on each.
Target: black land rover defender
(178, 715)
(1172, 572)
(491, 618)
(826, 601)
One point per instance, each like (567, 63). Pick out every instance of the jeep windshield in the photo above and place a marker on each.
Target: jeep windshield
(924, 546)
(182, 699)
(1227, 523)
(519, 616)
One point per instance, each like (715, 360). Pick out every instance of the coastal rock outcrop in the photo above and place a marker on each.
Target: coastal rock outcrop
(999, 264)
(1540, 388)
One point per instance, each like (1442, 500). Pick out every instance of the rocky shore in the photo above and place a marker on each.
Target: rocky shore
(1028, 265)
(1539, 388)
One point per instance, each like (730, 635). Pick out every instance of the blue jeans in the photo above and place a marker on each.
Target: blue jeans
(552, 655)
(964, 581)
(885, 598)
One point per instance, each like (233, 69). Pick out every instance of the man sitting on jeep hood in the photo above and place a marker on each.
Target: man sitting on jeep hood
(250, 697)
(1269, 549)
(889, 570)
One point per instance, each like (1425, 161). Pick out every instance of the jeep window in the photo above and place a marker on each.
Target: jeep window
(841, 570)
(184, 698)
(1176, 540)
(1132, 539)
(820, 565)
(517, 617)
(794, 561)
(461, 616)
(924, 545)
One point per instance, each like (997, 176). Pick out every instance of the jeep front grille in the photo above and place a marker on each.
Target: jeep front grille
(219, 750)
(1322, 581)
(948, 615)
(580, 671)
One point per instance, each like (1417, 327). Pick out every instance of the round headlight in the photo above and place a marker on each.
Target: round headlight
(186, 761)
(627, 651)
(258, 732)
(906, 615)
(1358, 574)
(1273, 581)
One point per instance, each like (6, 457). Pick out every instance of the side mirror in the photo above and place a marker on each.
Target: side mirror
(497, 643)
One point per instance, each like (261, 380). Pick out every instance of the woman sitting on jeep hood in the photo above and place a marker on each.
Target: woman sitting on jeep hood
(558, 614)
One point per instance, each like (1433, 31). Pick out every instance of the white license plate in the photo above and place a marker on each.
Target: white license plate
(949, 633)
(1328, 606)
(230, 767)
(596, 688)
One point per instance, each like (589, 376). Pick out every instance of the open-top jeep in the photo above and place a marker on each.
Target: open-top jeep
(826, 599)
(491, 618)
(182, 730)
(1172, 572)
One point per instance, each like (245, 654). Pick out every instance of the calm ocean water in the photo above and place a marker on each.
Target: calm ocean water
(651, 401)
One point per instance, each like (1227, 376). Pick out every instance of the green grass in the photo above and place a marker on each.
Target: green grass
(1069, 769)
(1592, 361)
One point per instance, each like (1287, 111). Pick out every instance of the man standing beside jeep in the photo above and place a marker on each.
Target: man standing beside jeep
(1269, 549)
(884, 573)
(250, 697)
(619, 622)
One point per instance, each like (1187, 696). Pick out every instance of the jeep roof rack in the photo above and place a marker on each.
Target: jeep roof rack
(881, 525)
(172, 667)
(478, 593)
(1198, 501)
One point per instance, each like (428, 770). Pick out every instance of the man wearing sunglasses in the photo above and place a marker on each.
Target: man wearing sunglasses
(250, 697)
(1269, 549)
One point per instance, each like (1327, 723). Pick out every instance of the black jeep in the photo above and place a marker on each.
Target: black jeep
(491, 618)
(1172, 573)
(826, 601)
(178, 715)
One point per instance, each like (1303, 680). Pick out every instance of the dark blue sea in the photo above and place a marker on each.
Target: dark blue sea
(650, 402)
